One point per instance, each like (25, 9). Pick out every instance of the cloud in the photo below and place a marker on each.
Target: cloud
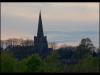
(62, 22)
(68, 11)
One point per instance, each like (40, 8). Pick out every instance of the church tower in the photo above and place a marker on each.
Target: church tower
(40, 41)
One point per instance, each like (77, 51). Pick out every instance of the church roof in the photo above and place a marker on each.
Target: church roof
(40, 27)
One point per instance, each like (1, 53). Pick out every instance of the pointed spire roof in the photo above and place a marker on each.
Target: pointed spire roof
(40, 27)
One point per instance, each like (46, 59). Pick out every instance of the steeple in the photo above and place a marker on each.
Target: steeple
(40, 28)
(40, 41)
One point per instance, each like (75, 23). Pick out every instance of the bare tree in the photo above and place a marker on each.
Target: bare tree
(52, 45)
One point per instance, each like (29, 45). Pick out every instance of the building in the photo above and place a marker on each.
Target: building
(40, 41)
(23, 48)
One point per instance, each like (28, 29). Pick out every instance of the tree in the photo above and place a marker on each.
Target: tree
(89, 64)
(52, 64)
(52, 45)
(33, 63)
(21, 66)
(87, 43)
(7, 62)
(85, 48)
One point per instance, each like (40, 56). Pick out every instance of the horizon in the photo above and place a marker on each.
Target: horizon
(63, 23)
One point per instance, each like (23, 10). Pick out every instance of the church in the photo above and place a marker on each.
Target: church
(40, 45)
(40, 41)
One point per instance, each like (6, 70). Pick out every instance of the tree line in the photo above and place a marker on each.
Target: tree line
(83, 58)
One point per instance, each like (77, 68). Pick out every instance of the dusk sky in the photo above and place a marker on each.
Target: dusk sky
(63, 23)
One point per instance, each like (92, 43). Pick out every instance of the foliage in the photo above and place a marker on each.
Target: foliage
(54, 62)
(33, 63)
(89, 64)
(85, 48)
(51, 68)
(7, 62)
(20, 67)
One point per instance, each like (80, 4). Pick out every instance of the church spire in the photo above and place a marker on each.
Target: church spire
(40, 41)
(40, 28)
